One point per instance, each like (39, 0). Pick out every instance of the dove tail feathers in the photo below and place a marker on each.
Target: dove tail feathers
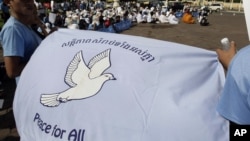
(50, 100)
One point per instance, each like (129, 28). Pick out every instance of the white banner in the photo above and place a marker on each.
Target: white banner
(94, 86)
(246, 4)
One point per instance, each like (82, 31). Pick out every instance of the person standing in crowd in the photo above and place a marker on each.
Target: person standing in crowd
(5, 11)
(235, 99)
(38, 26)
(18, 39)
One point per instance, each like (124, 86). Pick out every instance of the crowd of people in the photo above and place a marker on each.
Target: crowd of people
(87, 15)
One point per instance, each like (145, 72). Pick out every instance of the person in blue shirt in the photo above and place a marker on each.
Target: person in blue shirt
(234, 103)
(17, 38)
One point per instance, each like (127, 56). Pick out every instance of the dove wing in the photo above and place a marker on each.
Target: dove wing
(76, 71)
(99, 63)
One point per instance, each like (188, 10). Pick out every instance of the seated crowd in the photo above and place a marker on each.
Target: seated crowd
(96, 17)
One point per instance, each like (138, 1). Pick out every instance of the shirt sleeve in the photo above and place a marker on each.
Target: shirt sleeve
(12, 42)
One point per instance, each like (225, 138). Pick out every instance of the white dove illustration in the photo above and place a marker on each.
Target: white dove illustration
(84, 81)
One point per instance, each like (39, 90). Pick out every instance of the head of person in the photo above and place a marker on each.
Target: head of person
(21, 8)
(34, 18)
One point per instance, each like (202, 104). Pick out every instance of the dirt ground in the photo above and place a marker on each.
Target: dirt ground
(231, 25)
(227, 24)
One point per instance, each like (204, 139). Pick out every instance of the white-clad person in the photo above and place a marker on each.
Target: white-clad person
(163, 18)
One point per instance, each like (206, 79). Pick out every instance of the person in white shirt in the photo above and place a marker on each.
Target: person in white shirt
(139, 17)
(163, 18)
(150, 18)
(172, 18)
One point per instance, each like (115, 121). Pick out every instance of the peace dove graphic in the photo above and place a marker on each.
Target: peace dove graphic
(83, 80)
